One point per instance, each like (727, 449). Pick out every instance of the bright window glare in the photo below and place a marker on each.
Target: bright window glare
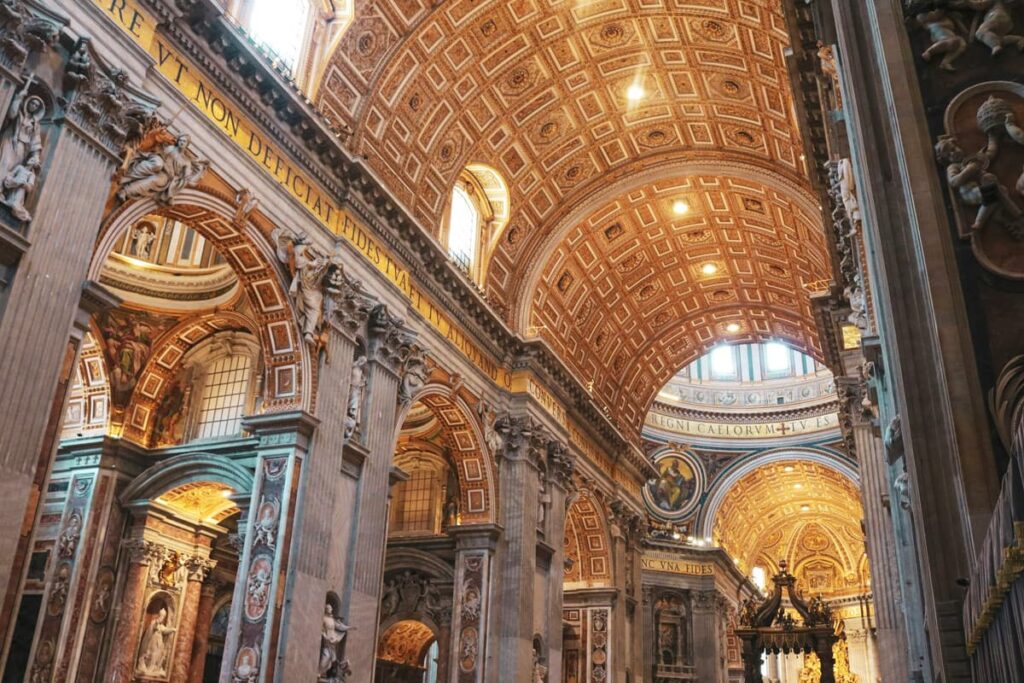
(462, 228)
(758, 575)
(723, 361)
(281, 26)
(776, 357)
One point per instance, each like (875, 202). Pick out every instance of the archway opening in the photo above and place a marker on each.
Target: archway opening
(407, 652)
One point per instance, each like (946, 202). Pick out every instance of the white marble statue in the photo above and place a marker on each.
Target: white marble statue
(996, 24)
(946, 40)
(155, 650)
(161, 174)
(332, 635)
(356, 389)
(23, 139)
(18, 184)
(307, 268)
(142, 240)
(973, 184)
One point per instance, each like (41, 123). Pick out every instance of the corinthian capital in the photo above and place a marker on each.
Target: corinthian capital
(390, 340)
(348, 302)
(522, 438)
(561, 464)
(199, 567)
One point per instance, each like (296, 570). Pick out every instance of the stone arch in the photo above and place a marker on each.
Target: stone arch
(169, 353)
(587, 542)
(725, 480)
(467, 450)
(290, 370)
(190, 468)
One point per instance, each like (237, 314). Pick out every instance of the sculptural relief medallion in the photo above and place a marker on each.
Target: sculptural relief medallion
(257, 588)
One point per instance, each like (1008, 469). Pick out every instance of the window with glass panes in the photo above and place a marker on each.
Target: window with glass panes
(417, 502)
(224, 396)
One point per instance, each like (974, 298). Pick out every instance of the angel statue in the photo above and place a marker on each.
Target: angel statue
(16, 186)
(307, 268)
(332, 635)
(163, 173)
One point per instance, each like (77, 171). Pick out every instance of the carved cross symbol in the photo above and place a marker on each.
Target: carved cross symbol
(783, 428)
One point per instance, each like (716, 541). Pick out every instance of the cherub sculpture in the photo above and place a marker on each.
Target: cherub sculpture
(996, 24)
(946, 40)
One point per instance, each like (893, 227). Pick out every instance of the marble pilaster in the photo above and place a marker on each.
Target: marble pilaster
(881, 549)
(389, 343)
(251, 647)
(181, 662)
(560, 488)
(325, 508)
(525, 445)
(705, 640)
(470, 651)
(44, 295)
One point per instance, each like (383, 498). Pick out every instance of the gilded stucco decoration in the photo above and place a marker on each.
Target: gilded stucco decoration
(205, 501)
(805, 513)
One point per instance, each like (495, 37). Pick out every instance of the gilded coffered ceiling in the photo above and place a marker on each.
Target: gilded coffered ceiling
(599, 116)
(804, 512)
(206, 501)
(625, 298)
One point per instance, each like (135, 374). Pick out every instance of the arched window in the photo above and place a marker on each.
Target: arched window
(477, 215)
(282, 28)
(463, 229)
(723, 362)
(298, 35)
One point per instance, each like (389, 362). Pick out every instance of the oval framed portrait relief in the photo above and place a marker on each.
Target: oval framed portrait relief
(675, 493)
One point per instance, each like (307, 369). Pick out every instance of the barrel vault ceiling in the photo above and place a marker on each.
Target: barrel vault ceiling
(595, 258)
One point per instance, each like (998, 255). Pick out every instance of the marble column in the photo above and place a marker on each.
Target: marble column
(525, 445)
(67, 208)
(181, 661)
(325, 504)
(390, 343)
(470, 649)
(560, 466)
(139, 555)
(201, 634)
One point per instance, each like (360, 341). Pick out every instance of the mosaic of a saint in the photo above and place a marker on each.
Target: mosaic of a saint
(674, 489)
